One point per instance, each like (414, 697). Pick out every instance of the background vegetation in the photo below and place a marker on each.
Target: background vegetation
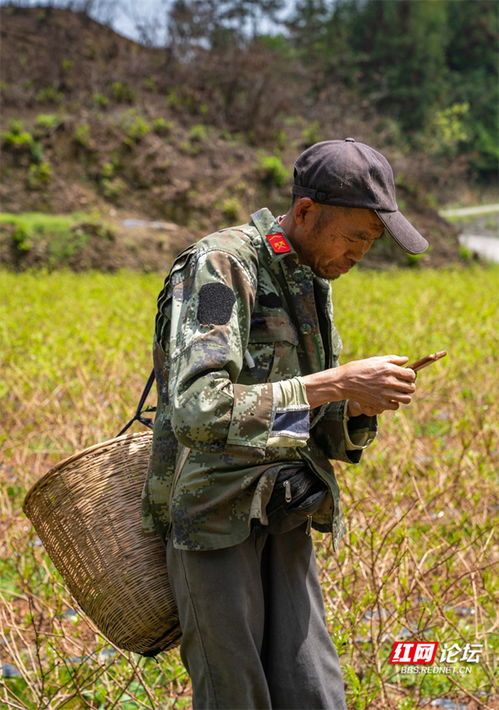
(193, 129)
(426, 70)
(428, 67)
(201, 130)
(416, 562)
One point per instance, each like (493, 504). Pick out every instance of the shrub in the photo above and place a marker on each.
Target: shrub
(151, 83)
(22, 142)
(50, 240)
(48, 122)
(49, 95)
(39, 176)
(465, 254)
(122, 93)
(16, 137)
(413, 260)
(100, 100)
(162, 127)
(90, 51)
(82, 134)
(448, 130)
(231, 208)
(16, 125)
(272, 170)
(135, 127)
(311, 134)
(198, 133)
(112, 189)
(190, 148)
(138, 129)
(107, 170)
(173, 98)
(280, 139)
(21, 238)
(36, 150)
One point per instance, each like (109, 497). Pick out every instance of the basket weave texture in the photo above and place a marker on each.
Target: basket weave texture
(86, 511)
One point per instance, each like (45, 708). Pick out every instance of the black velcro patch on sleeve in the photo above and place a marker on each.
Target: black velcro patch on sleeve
(216, 301)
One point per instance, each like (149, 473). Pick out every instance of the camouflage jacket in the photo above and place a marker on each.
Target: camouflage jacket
(239, 320)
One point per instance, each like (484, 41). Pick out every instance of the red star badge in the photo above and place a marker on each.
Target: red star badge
(278, 243)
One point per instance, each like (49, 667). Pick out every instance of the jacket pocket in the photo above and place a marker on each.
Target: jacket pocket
(272, 328)
(271, 353)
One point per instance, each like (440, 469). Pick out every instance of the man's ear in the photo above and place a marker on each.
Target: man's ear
(302, 209)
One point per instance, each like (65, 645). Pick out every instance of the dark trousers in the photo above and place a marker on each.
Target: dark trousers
(253, 624)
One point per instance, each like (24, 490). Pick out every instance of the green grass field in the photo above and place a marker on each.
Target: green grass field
(416, 563)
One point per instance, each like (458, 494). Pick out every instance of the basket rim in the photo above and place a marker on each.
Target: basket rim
(78, 455)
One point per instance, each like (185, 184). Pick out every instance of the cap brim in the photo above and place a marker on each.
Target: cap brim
(402, 231)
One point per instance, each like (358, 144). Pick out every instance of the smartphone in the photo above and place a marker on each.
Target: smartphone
(425, 361)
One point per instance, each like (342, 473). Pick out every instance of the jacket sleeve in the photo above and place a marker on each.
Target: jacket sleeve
(344, 438)
(211, 300)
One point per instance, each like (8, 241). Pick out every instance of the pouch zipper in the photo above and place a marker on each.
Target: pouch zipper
(287, 492)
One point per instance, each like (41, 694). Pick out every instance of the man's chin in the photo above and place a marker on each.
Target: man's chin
(330, 274)
(335, 274)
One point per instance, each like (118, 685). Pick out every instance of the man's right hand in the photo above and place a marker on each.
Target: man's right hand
(374, 384)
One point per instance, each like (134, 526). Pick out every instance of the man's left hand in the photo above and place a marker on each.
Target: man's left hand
(354, 410)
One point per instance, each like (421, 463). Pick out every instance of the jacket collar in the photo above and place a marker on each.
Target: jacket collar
(267, 226)
(277, 244)
(297, 282)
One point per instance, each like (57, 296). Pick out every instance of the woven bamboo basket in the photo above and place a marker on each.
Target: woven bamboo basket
(86, 511)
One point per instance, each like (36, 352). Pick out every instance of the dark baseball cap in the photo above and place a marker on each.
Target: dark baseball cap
(351, 174)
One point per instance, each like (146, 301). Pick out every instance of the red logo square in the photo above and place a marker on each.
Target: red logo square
(278, 243)
(414, 652)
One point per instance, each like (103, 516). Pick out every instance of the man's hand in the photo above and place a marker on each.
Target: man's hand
(354, 409)
(372, 385)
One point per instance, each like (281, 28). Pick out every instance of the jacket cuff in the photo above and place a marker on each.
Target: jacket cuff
(291, 414)
(359, 431)
(336, 436)
(270, 414)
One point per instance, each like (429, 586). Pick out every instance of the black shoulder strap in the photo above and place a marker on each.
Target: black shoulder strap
(139, 412)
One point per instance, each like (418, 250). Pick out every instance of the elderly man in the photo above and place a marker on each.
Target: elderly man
(252, 406)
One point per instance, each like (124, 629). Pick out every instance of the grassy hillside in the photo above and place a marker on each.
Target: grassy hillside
(92, 125)
(417, 559)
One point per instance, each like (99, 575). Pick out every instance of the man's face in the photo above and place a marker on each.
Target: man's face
(334, 239)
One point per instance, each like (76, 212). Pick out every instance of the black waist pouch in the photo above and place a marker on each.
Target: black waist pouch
(296, 496)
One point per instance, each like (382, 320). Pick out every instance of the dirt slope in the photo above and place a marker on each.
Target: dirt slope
(90, 124)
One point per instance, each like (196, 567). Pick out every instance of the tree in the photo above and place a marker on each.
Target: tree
(402, 46)
(240, 80)
(472, 57)
(212, 24)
